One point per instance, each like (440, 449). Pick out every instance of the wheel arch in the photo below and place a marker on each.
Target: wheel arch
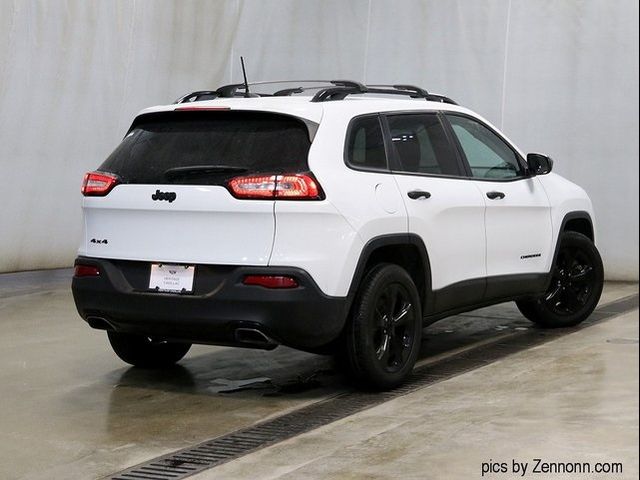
(578, 221)
(406, 250)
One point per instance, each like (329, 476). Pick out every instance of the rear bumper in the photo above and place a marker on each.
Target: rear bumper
(220, 305)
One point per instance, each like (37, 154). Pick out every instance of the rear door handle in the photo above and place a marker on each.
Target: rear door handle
(495, 195)
(416, 194)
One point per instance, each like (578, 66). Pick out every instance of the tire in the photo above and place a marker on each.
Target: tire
(384, 332)
(576, 285)
(141, 351)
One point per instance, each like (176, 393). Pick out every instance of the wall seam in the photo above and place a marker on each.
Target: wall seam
(504, 66)
(366, 44)
(233, 41)
(128, 66)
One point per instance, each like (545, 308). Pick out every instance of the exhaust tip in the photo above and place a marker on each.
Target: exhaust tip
(255, 338)
(99, 323)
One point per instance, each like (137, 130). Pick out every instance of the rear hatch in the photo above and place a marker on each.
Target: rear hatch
(193, 187)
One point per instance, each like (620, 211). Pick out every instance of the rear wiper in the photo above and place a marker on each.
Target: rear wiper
(202, 170)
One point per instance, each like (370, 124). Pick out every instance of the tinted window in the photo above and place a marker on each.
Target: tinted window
(488, 155)
(246, 142)
(365, 145)
(421, 145)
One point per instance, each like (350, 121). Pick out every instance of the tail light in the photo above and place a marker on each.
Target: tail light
(293, 186)
(271, 281)
(98, 184)
(86, 271)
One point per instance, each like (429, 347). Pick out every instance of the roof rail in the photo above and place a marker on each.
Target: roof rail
(435, 97)
(238, 89)
(409, 90)
(420, 92)
(225, 91)
(331, 90)
(194, 96)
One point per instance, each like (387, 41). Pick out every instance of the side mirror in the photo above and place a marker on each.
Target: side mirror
(539, 164)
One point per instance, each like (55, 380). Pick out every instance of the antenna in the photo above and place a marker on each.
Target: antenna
(244, 75)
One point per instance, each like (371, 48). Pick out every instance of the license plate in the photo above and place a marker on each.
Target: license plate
(171, 278)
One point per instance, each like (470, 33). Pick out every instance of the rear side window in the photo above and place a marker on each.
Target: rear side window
(209, 147)
(421, 145)
(365, 144)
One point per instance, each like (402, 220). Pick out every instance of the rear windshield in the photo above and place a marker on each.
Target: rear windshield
(207, 148)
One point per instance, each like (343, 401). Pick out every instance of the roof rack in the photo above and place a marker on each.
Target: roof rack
(239, 90)
(408, 90)
(331, 90)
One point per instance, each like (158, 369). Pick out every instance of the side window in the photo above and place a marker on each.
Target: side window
(365, 145)
(421, 145)
(487, 154)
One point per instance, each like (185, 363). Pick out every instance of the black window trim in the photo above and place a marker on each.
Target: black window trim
(347, 138)
(467, 167)
(393, 161)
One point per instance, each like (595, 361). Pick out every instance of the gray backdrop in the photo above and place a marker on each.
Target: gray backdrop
(559, 77)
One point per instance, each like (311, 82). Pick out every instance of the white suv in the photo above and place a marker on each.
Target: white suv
(343, 222)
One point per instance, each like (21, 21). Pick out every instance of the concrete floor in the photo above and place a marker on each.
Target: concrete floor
(571, 400)
(71, 409)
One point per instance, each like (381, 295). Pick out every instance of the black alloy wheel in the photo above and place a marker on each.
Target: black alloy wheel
(572, 282)
(394, 328)
(576, 284)
(383, 335)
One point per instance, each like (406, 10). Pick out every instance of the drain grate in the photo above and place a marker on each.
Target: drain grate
(208, 454)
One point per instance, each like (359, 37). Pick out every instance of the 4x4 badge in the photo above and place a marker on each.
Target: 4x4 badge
(168, 196)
